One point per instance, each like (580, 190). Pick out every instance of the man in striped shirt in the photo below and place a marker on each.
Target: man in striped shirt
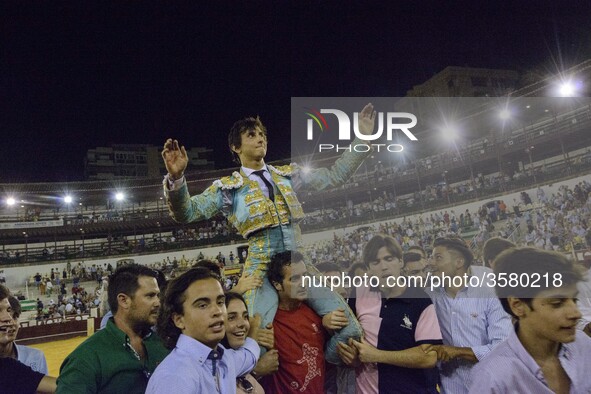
(471, 318)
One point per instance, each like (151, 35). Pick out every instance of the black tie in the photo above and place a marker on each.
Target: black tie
(260, 173)
(214, 356)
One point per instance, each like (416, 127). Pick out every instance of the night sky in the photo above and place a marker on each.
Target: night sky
(78, 75)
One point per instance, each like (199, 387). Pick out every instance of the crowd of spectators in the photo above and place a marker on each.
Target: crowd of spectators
(558, 222)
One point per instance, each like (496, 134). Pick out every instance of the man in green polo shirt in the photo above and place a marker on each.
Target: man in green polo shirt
(121, 357)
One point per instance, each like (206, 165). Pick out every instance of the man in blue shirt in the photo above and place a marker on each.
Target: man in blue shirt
(545, 353)
(192, 323)
(471, 318)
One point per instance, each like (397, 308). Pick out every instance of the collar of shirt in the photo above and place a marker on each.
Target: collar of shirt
(248, 172)
(122, 337)
(197, 351)
(522, 354)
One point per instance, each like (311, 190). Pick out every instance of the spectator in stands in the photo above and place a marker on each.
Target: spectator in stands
(471, 319)
(16, 377)
(43, 286)
(49, 287)
(121, 357)
(399, 323)
(76, 280)
(29, 356)
(299, 334)
(192, 324)
(544, 352)
(493, 247)
(37, 279)
(272, 188)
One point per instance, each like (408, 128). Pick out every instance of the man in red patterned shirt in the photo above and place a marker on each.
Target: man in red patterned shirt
(299, 334)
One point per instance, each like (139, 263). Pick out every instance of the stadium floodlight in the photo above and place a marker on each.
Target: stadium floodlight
(449, 129)
(10, 201)
(504, 114)
(450, 132)
(119, 196)
(567, 89)
(68, 199)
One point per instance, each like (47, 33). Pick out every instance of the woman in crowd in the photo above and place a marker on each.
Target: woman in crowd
(237, 327)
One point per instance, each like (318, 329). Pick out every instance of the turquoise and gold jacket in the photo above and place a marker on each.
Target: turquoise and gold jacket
(245, 205)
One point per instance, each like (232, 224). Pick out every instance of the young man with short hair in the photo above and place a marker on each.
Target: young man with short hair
(299, 334)
(192, 324)
(471, 318)
(544, 353)
(16, 377)
(121, 357)
(399, 323)
(32, 357)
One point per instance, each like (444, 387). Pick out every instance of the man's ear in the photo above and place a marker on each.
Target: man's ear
(179, 321)
(460, 261)
(278, 286)
(124, 301)
(517, 306)
(235, 150)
